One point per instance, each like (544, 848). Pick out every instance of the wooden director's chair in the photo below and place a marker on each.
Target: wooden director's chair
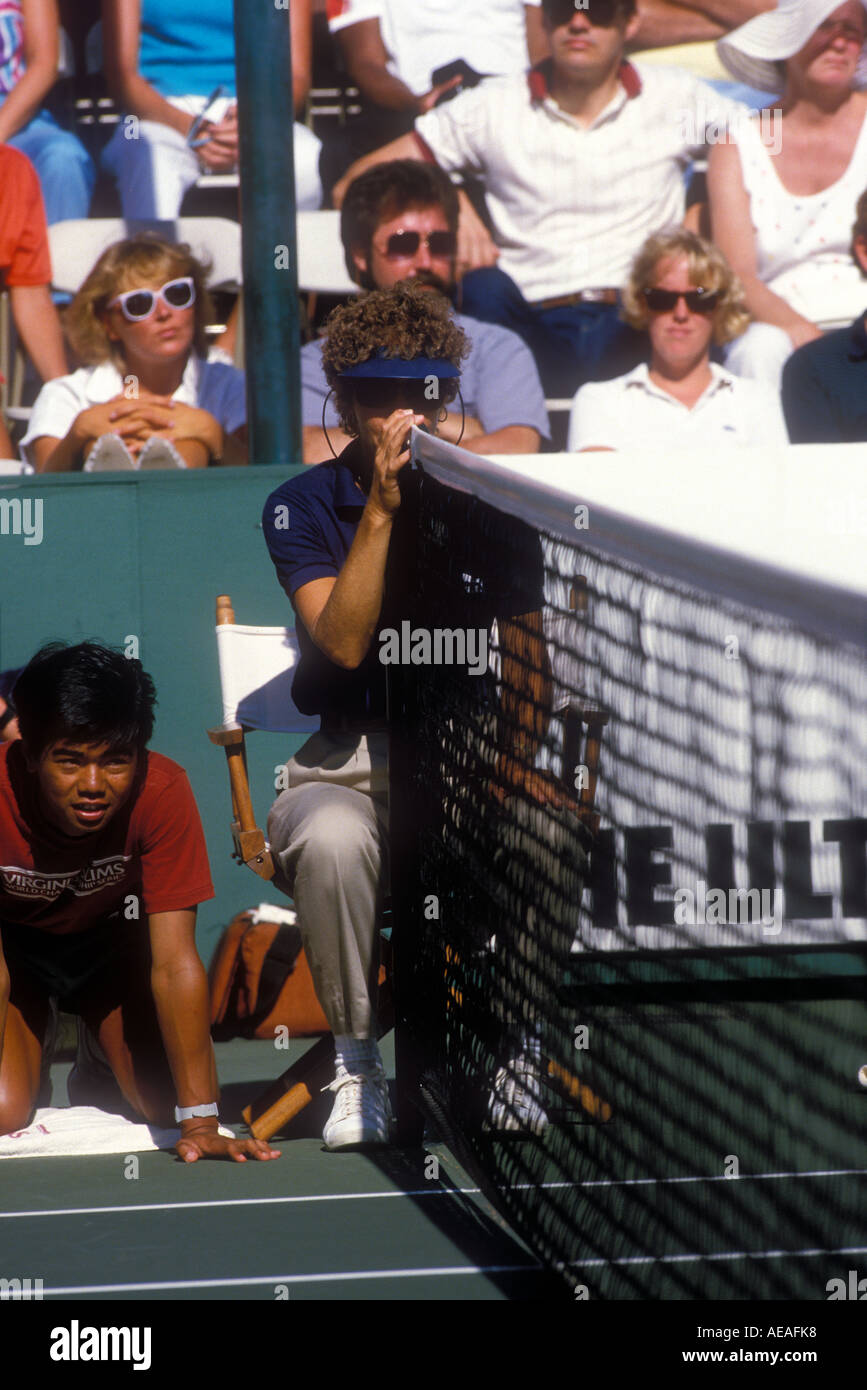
(256, 669)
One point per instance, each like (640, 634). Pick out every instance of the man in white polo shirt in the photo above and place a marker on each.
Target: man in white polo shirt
(580, 160)
(406, 56)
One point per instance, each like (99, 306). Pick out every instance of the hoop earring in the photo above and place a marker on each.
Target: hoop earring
(463, 417)
(325, 427)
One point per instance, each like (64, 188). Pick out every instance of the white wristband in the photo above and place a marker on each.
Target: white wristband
(191, 1112)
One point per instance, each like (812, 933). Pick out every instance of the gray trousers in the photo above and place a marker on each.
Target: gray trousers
(329, 836)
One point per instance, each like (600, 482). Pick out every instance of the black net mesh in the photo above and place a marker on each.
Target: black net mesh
(632, 881)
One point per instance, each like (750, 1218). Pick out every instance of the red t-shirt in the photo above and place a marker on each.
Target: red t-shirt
(24, 255)
(154, 848)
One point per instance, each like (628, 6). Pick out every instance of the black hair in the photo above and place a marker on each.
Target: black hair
(86, 693)
(387, 190)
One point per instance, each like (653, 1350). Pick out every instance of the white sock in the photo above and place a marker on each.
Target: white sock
(356, 1054)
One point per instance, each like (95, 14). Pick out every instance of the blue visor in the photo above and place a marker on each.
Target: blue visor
(401, 368)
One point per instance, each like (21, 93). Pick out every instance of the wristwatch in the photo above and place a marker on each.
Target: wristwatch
(195, 1112)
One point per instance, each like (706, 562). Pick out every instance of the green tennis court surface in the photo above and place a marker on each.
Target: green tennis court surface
(394, 1225)
(322, 1226)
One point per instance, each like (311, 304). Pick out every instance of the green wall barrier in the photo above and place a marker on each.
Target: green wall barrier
(144, 555)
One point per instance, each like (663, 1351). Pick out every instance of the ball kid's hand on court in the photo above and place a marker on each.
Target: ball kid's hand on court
(207, 1142)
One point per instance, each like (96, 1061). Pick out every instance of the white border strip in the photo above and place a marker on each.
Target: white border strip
(828, 609)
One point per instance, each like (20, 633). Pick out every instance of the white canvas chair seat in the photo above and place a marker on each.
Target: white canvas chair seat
(256, 669)
(257, 665)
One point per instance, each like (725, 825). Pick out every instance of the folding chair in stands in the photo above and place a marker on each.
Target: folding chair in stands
(321, 262)
(77, 244)
(256, 668)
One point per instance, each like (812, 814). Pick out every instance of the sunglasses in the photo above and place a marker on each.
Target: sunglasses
(386, 393)
(137, 305)
(401, 245)
(698, 301)
(602, 13)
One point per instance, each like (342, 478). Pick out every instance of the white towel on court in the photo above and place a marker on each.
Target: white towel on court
(82, 1129)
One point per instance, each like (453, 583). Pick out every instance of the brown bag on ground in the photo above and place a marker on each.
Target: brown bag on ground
(259, 979)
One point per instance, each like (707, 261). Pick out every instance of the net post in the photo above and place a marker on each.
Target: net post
(272, 325)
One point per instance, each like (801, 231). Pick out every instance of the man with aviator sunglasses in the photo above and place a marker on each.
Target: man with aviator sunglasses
(399, 223)
(580, 160)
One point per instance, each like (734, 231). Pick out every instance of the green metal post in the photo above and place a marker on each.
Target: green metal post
(263, 64)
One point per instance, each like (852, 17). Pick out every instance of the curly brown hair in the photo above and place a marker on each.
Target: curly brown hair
(144, 259)
(406, 321)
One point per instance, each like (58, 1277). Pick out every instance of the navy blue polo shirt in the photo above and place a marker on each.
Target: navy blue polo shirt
(310, 523)
(825, 388)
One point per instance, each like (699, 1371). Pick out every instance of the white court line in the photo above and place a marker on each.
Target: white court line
(428, 1192)
(241, 1202)
(709, 1177)
(719, 1255)
(342, 1276)
(448, 1271)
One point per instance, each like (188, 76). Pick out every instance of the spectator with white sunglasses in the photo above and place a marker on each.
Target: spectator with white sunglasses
(147, 396)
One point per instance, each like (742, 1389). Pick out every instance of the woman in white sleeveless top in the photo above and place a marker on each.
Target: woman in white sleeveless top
(783, 186)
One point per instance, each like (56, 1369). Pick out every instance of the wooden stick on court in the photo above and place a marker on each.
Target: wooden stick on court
(575, 1089)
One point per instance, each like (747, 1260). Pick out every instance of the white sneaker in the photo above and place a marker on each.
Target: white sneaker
(159, 453)
(515, 1102)
(109, 455)
(362, 1109)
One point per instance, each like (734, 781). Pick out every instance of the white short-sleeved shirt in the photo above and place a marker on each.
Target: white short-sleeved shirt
(423, 35)
(212, 386)
(631, 411)
(571, 204)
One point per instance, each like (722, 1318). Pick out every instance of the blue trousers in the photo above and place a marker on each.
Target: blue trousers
(571, 345)
(65, 169)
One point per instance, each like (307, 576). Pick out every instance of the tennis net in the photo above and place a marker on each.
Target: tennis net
(629, 812)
